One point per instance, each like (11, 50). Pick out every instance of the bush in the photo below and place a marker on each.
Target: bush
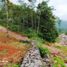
(43, 51)
(30, 33)
(50, 36)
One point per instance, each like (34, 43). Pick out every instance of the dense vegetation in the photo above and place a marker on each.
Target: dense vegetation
(24, 18)
(37, 23)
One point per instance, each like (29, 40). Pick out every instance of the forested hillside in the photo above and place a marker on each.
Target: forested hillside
(24, 19)
(29, 36)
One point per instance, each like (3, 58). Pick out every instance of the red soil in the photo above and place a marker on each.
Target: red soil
(9, 51)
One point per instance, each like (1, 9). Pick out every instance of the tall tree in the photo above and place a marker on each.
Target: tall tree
(32, 5)
(6, 8)
(47, 22)
(6, 11)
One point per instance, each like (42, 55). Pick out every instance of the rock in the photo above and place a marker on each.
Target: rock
(63, 38)
(32, 58)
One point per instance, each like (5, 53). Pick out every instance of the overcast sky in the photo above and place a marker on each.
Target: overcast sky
(60, 7)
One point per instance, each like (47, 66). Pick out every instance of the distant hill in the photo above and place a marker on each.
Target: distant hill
(62, 26)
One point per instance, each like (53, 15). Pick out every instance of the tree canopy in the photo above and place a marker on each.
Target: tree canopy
(21, 18)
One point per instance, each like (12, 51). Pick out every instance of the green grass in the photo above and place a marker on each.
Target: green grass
(12, 65)
(58, 39)
(58, 62)
(62, 47)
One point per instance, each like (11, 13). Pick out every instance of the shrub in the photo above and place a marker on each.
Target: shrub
(43, 51)
(30, 33)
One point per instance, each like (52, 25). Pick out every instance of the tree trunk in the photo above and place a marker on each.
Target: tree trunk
(7, 17)
(38, 25)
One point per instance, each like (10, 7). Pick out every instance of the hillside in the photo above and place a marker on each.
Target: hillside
(29, 36)
(12, 47)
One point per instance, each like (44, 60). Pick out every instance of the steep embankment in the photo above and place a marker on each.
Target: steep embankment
(12, 48)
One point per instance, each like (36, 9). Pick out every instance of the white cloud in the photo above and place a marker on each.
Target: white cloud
(14, 1)
(61, 8)
(26, 1)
